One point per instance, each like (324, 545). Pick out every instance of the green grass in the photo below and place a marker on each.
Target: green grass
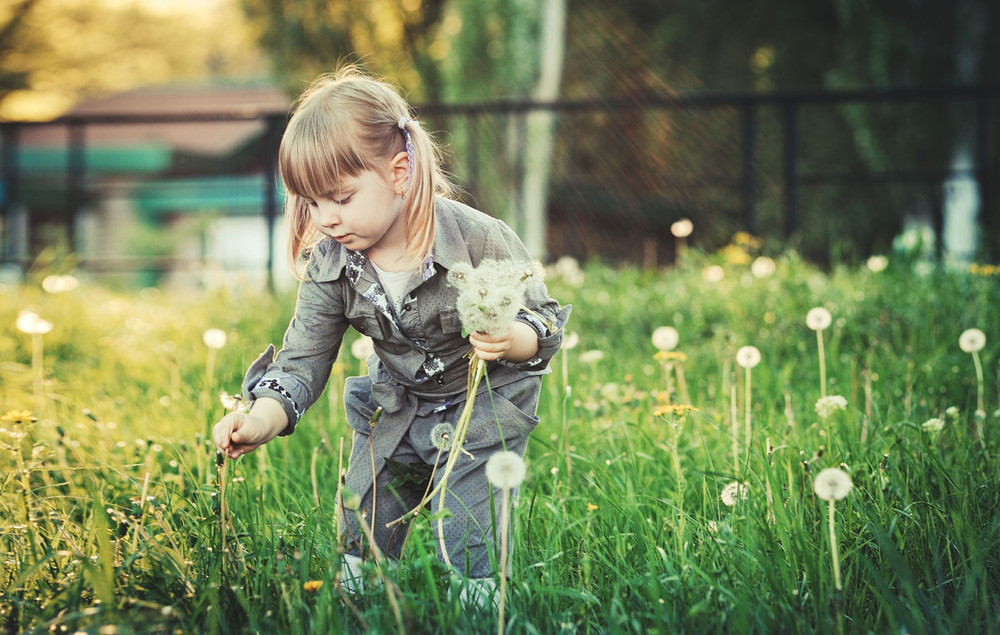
(110, 498)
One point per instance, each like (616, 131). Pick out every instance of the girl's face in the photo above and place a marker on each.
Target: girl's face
(365, 214)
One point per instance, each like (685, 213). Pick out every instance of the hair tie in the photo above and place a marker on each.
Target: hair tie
(409, 150)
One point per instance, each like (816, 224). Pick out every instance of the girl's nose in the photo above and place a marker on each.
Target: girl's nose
(326, 214)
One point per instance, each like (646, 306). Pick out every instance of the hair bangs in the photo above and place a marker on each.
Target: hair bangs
(316, 155)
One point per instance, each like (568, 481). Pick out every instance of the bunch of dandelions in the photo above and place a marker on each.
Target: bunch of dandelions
(504, 470)
(490, 297)
(833, 484)
(972, 341)
(819, 319)
(747, 357)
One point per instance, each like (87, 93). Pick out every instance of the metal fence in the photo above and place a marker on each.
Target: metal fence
(776, 165)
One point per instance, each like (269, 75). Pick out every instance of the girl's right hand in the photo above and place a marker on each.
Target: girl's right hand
(239, 433)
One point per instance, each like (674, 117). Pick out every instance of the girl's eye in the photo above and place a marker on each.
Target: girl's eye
(344, 201)
(310, 202)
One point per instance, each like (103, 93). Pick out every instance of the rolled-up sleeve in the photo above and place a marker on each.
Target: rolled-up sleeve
(297, 375)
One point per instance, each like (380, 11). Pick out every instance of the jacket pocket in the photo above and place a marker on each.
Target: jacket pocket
(450, 321)
(367, 324)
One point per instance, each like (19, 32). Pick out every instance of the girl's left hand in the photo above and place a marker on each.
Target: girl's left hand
(516, 343)
(490, 347)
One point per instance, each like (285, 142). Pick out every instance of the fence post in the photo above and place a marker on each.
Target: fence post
(791, 175)
(271, 136)
(9, 136)
(749, 165)
(76, 160)
(987, 220)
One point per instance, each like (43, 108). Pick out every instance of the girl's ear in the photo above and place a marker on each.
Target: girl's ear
(399, 167)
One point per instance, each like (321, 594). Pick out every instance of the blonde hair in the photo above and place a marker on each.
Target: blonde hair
(346, 123)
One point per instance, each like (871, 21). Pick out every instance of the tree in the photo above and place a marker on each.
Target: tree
(57, 52)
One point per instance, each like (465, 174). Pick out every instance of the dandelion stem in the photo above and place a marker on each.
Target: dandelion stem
(736, 433)
(834, 549)
(504, 523)
(822, 363)
(746, 415)
(980, 400)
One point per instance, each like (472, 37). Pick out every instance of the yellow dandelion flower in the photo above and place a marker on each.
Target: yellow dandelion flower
(17, 416)
(670, 356)
(591, 507)
(312, 585)
(675, 409)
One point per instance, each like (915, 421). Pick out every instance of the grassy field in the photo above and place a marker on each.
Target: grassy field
(111, 501)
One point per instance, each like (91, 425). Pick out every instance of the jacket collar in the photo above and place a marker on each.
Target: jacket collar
(330, 259)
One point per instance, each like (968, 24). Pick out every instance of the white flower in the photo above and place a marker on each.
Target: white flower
(59, 284)
(748, 356)
(569, 270)
(713, 273)
(442, 435)
(29, 322)
(570, 340)
(877, 263)
(818, 318)
(682, 228)
(934, 424)
(592, 356)
(233, 403)
(505, 469)
(362, 347)
(490, 295)
(832, 484)
(733, 492)
(971, 340)
(665, 338)
(826, 406)
(214, 338)
(763, 267)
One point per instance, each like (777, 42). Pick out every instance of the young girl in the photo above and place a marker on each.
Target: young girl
(367, 214)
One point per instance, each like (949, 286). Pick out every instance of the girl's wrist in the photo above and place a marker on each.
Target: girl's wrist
(524, 342)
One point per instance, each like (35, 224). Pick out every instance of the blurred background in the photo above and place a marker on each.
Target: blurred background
(138, 137)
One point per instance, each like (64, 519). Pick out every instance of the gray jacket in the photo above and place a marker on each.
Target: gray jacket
(420, 351)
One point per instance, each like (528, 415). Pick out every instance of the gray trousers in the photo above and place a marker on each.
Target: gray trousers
(468, 532)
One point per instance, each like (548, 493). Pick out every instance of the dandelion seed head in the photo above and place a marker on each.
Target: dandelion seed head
(505, 469)
(763, 267)
(592, 356)
(971, 340)
(666, 338)
(362, 348)
(877, 263)
(748, 356)
(31, 323)
(442, 435)
(934, 424)
(818, 318)
(214, 338)
(832, 484)
(734, 492)
(682, 228)
(232, 403)
(59, 284)
(570, 340)
(713, 273)
(827, 406)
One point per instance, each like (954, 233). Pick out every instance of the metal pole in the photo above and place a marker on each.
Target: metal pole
(9, 136)
(75, 168)
(749, 166)
(987, 220)
(790, 128)
(271, 136)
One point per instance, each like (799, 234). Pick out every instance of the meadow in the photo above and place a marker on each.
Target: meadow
(638, 515)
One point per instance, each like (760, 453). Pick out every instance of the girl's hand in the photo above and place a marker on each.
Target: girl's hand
(239, 433)
(517, 343)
